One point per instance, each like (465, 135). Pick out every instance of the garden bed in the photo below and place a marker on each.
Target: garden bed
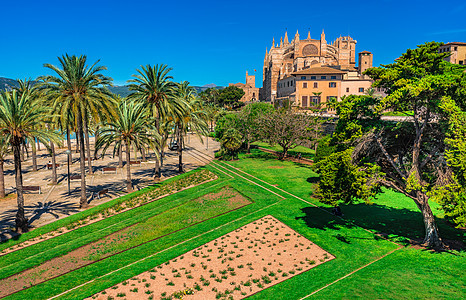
(121, 205)
(178, 218)
(234, 266)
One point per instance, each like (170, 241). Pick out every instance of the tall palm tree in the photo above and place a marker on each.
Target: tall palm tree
(191, 117)
(79, 90)
(128, 128)
(20, 117)
(153, 87)
(4, 151)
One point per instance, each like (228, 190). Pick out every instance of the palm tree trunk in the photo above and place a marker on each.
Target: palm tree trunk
(38, 145)
(96, 137)
(22, 152)
(68, 142)
(143, 154)
(34, 156)
(2, 180)
(82, 164)
(180, 151)
(157, 150)
(120, 156)
(54, 166)
(88, 148)
(129, 185)
(20, 220)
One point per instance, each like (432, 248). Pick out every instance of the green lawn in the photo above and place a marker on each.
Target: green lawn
(305, 152)
(404, 273)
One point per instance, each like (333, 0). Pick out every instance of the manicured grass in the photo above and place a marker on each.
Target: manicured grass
(405, 273)
(305, 152)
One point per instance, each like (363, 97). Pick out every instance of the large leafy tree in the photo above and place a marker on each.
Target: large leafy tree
(411, 153)
(153, 86)
(20, 117)
(286, 129)
(78, 90)
(128, 128)
(230, 96)
(249, 121)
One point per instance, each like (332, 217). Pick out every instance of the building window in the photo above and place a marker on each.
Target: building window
(288, 83)
(304, 101)
(323, 77)
(292, 83)
(303, 77)
(456, 48)
(315, 85)
(313, 77)
(347, 90)
(304, 85)
(316, 100)
(361, 90)
(460, 62)
(333, 77)
(332, 84)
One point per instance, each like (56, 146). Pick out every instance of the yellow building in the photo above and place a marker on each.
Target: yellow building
(457, 50)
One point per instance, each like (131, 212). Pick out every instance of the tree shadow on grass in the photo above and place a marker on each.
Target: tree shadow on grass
(401, 225)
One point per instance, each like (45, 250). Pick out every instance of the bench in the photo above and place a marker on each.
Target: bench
(135, 162)
(109, 169)
(50, 165)
(100, 193)
(31, 188)
(75, 177)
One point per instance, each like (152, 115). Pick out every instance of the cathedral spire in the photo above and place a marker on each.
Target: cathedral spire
(273, 43)
(322, 36)
(296, 36)
(281, 42)
(309, 35)
(266, 53)
(286, 38)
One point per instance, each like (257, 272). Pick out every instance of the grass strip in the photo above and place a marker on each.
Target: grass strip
(39, 253)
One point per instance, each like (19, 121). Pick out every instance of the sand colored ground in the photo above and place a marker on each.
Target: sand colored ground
(234, 266)
(55, 202)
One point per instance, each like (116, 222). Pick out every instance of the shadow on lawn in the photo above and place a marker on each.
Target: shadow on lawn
(397, 224)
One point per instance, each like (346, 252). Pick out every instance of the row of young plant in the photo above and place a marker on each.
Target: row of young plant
(113, 207)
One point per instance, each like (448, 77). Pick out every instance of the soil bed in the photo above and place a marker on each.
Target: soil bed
(234, 266)
(175, 219)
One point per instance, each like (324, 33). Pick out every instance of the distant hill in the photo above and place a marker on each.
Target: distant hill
(5, 83)
(121, 90)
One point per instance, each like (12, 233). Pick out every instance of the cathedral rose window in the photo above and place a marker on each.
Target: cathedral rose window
(310, 50)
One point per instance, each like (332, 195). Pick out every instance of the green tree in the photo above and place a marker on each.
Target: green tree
(191, 117)
(285, 128)
(249, 121)
(410, 153)
(153, 87)
(20, 117)
(231, 143)
(78, 90)
(230, 96)
(226, 121)
(129, 127)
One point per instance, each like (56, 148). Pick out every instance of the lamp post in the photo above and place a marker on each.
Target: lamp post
(68, 152)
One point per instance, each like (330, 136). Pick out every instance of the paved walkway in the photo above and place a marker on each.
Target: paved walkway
(55, 202)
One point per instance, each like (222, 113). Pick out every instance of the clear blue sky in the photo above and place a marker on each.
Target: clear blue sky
(209, 41)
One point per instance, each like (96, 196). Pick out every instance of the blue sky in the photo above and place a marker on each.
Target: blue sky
(209, 41)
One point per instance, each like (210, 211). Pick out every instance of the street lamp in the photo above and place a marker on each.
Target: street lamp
(68, 152)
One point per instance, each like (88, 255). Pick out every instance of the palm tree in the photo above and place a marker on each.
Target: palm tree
(20, 118)
(78, 90)
(191, 117)
(153, 87)
(4, 151)
(128, 128)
